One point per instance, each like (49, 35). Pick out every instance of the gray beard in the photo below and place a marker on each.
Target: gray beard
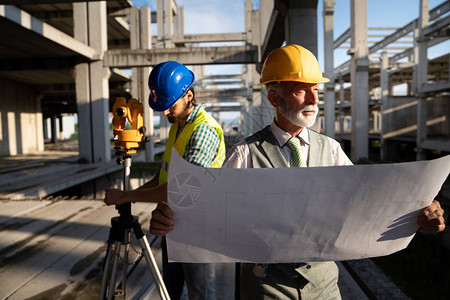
(297, 118)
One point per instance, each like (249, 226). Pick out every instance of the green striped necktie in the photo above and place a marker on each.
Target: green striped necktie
(296, 158)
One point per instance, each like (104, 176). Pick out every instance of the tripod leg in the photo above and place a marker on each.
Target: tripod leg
(109, 253)
(112, 282)
(126, 243)
(153, 267)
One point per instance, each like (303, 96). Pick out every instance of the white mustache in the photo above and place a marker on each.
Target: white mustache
(309, 108)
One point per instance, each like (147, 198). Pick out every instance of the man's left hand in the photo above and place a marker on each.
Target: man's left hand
(431, 219)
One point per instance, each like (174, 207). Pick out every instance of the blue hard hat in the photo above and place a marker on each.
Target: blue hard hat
(168, 82)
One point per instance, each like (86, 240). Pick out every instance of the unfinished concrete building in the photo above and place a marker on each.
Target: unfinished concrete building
(69, 57)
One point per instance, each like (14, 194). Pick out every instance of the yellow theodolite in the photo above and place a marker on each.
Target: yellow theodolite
(128, 141)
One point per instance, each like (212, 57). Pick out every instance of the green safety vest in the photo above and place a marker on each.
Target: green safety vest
(180, 142)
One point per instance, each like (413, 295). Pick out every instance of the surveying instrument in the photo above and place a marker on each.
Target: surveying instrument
(127, 143)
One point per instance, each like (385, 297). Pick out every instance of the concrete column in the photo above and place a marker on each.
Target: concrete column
(60, 128)
(54, 131)
(421, 72)
(140, 38)
(99, 82)
(328, 11)
(181, 32)
(176, 23)
(248, 21)
(302, 15)
(384, 85)
(168, 26)
(82, 88)
(341, 110)
(91, 79)
(45, 127)
(40, 131)
(160, 23)
(265, 11)
(359, 74)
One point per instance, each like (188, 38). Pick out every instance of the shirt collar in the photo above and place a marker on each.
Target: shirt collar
(282, 136)
(193, 114)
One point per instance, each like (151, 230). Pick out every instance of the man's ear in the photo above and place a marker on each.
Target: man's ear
(189, 95)
(273, 98)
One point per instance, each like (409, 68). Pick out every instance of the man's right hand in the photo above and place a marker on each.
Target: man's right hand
(162, 220)
(114, 197)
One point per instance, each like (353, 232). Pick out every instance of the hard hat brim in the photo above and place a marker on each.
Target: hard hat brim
(321, 80)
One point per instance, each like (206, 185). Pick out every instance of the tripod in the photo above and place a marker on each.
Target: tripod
(119, 235)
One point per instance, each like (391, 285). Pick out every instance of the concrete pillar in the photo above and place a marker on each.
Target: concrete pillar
(341, 110)
(91, 80)
(160, 23)
(248, 21)
(420, 72)
(265, 11)
(168, 24)
(359, 74)
(328, 11)
(53, 128)
(140, 38)
(302, 15)
(60, 128)
(99, 82)
(45, 128)
(176, 23)
(181, 24)
(384, 85)
(82, 88)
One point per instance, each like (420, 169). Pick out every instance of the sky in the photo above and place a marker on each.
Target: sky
(218, 16)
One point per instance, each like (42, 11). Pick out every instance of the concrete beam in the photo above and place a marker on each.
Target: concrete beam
(223, 108)
(342, 38)
(438, 86)
(394, 36)
(222, 93)
(436, 26)
(123, 58)
(46, 31)
(210, 37)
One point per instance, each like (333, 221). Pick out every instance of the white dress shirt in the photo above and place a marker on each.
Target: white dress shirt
(239, 156)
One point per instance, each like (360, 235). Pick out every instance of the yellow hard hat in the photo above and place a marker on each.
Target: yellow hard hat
(291, 63)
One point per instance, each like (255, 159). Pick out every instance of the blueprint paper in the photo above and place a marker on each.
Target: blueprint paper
(297, 214)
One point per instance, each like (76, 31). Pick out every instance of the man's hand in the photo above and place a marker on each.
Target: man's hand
(114, 197)
(431, 220)
(162, 220)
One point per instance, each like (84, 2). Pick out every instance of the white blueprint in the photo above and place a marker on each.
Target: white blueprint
(297, 214)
